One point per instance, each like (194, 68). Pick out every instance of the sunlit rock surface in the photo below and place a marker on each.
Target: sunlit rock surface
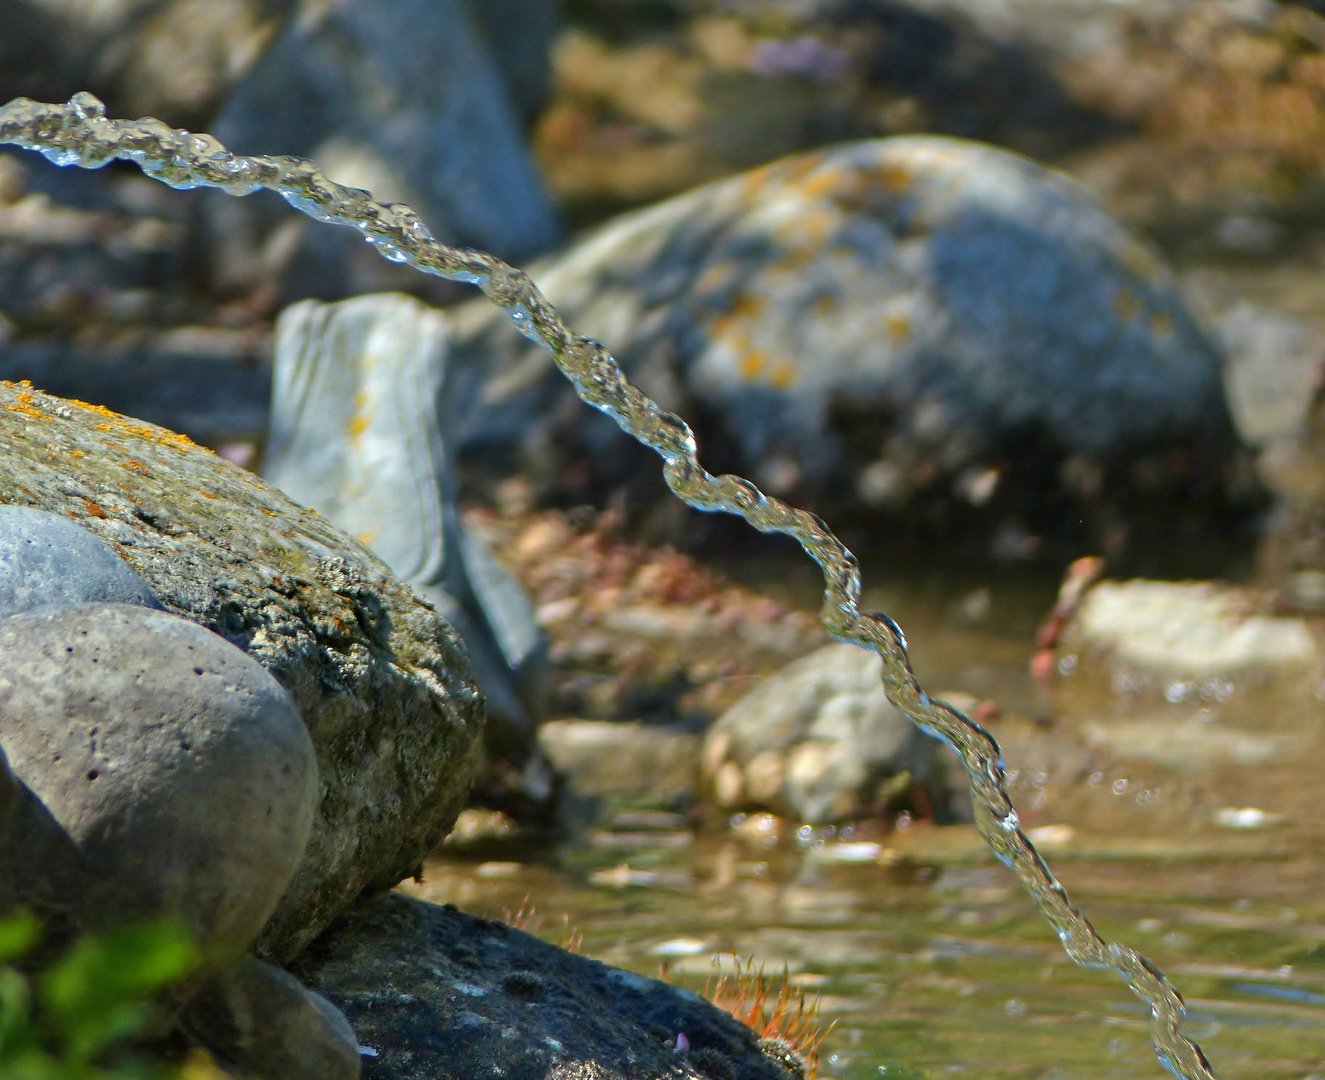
(361, 432)
(434, 992)
(1189, 675)
(173, 760)
(819, 742)
(879, 326)
(48, 561)
(380, 681)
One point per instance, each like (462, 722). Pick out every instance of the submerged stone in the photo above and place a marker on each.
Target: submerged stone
(380, 681)
(177, 765)
(818, 742)
(48, 561)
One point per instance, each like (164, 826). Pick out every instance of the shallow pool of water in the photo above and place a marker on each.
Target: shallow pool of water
(928, 958)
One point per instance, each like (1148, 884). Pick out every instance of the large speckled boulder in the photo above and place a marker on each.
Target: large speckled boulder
(378, 678)
(874, 324)
(174, 761)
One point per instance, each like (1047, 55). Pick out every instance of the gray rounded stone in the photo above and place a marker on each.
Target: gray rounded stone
(264, 1023)
(815, 741)
(178, 766)
(46, 560)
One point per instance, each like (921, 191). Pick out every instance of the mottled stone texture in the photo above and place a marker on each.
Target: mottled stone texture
(379, 679)
(441, 995)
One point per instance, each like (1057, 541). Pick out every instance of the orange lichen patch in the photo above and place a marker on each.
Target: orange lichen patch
(206, 494)
(74, 453)
(1126, 305)
(784, 376)
(23, 404)
(747, 994)
(1161, 324)
(752, 364)
(92, 508)
(136, 466)
(898, 324)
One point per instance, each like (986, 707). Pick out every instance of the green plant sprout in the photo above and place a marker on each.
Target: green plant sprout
(79, 133)
(89, 1003)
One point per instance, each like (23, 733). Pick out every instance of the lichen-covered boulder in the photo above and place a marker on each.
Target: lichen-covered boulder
(882, 325)
(379, 679)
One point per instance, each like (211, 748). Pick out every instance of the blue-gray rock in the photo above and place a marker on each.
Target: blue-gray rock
(381, 682)
(818, 742)
(178, 766)
(48, 561)
(405, 90)
(871, 322)
(261, 1022)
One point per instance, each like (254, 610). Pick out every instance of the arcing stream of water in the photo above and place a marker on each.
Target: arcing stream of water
(80, 134)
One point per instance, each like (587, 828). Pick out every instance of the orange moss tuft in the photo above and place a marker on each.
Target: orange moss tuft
(785, 1017)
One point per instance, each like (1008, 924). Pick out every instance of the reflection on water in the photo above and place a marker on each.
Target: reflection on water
(927, 955)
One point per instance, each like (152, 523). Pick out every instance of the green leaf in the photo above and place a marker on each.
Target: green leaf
(97, 994)
(18, 933)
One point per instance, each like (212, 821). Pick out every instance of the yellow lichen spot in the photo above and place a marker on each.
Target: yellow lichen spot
(745, 306)
(714, 277)
(206, 494)
(358, 425)
(1161, 324)
(366, 538)
(752, 364)
(784, 376)
(1126, 305)
(823, 183)
(896, 178)
(898, 324)
(825, 305)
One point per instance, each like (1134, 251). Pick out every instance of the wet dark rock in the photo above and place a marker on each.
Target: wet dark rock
(819, 742)
(212, 386)
(925, 328)
(261, 1022)
(434, 992)
(177, 765)
(380, 681)
(519, 35)
(361, 423)
(48, 561)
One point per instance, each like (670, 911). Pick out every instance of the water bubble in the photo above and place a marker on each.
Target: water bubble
(1178, 692)
(1119, 786)
(1015, 1007)
(1095, 779)
(1067, 665)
